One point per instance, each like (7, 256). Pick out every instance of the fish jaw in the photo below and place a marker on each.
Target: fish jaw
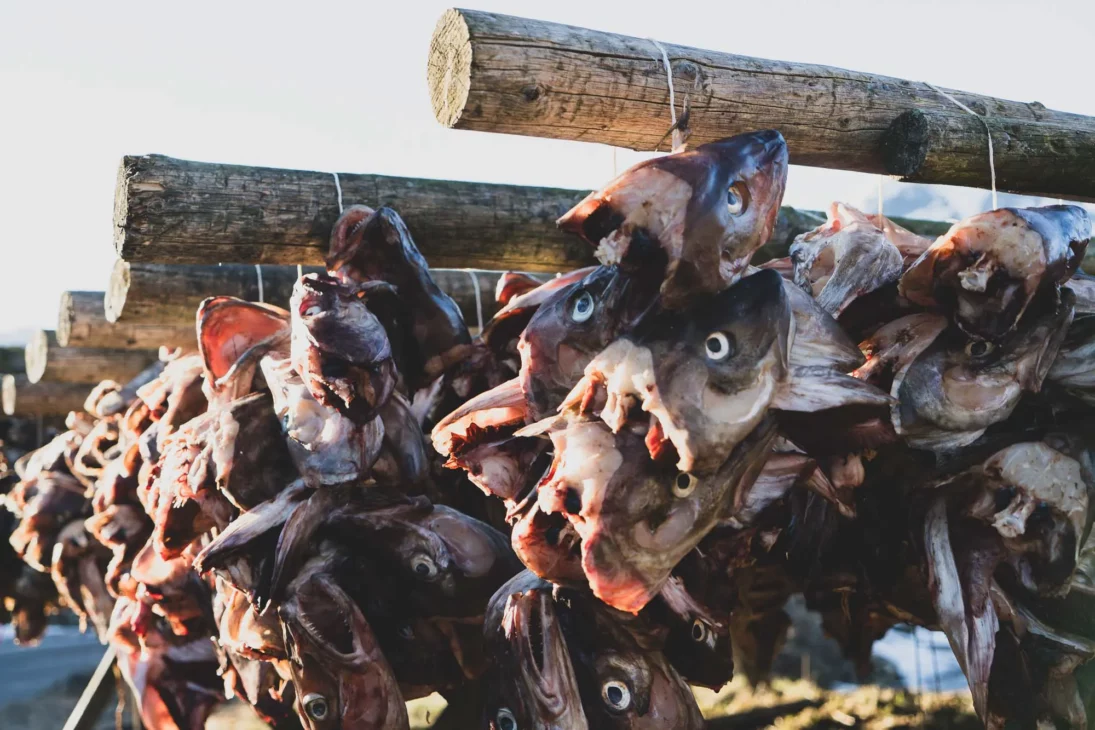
(549, 546)
(545, 675)
(706, 209)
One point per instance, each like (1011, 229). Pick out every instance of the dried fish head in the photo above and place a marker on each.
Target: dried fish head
(532, 683)
(339, 347)
(697, 215)
(986, 270)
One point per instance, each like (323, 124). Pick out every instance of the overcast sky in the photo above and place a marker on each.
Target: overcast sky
(341, 86)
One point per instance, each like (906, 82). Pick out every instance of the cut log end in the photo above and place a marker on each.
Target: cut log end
(117, 289)
(905, 144)
(448, 69)
(37, 354)
(66, 313)
(7, 395)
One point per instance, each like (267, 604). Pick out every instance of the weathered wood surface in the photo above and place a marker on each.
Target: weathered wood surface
(82, 322)
(143, 293)
(181, 212)
(46, 360)
(23, 399)
(178, 212)
(498, 73)
(163, 297)
(1030, 157)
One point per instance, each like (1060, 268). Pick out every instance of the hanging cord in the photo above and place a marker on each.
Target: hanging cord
(881, 219)
(678, 127)
(478, 297)
(262, 291)
(988, 132)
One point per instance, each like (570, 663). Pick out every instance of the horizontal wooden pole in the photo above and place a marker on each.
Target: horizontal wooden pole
(1029, 157)
(180, 212)
(46, 360)
(455, 224)
(498, 73)
(21, 398)
(82, 322)
(163, 296)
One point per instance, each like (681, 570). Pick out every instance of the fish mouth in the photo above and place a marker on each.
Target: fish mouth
(548, 545)
(532, 627)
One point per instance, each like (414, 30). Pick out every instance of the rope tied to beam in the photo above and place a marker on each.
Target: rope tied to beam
(262, 291)
(478, 297)
(675, 128)
(988, 133)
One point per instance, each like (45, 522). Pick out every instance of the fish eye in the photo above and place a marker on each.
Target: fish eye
(736, 198)
(1003, 497)
(312, 311)
(616, 695)
(505, 719)
(316, 706)
(700, 632)
(979, 348)
(423, 566)
(406, 632)
(684, 484)
(719, 346)
(583, 307)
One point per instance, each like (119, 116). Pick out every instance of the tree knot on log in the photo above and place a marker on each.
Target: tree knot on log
(905, 144)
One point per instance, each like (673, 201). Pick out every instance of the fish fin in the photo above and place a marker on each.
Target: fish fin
(296, 537)
(501, 405)
(248, 527)
(819, 389)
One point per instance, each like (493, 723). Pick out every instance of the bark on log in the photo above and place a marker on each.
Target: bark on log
(170, 295)
(498, 73)
(172, 211)
(82, 322)
(21, 398)
(1029, 157)
(48, 361)
(181, 212)
(157, 296)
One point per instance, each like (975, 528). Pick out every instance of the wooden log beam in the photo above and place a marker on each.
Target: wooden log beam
(81, 322)
(165, 297)
(21, 398)
(46, 360)
(497, 73)
(172, 211)
(181, 212)
(170, 295)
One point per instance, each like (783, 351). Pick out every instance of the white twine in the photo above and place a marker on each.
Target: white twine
(669, 76)
(880, 224)
(262, 291)
(478, 297)
(338, 189)
(988, 132)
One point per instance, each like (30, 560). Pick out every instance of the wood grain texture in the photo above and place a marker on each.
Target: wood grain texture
(162, 297)
(21, 398)
(172, 211)
(498, 73)
(82, 322)
(46, 360)
(286, 215)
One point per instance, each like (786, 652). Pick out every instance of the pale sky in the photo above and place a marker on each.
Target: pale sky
(342, 86)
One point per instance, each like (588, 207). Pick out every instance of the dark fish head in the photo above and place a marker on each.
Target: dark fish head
(624, 678)
(707, 210)
(571, 327)
(341, 678)
(958, 386)
(708, 377)
(638, 518)
(532, 684)
(1036, 498)
(378, 247)
(986, 270)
